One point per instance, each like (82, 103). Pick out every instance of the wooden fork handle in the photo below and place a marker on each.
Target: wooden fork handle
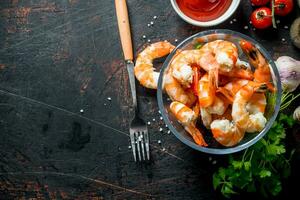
(124, 28)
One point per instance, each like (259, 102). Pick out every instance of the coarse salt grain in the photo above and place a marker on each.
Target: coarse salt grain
(155, 17)
(169, 132)
(148, 25)
(161, 118)
(283, 39)
(160, 129)
(231, 22)
(149, 40)
(109, 98)
(158, 141)
(176, 40)
(234, 19)
(144, 36)
(163, 149)
(148, 123)
(286, 27)
(214, 162)
(129, 147)
(151, 22)
(153, 119)
(246, 27)
(278, 21)
(81, 110)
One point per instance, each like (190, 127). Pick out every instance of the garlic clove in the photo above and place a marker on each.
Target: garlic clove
(296, 114)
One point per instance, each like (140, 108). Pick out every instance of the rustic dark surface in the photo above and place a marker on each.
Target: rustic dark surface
(60, 56)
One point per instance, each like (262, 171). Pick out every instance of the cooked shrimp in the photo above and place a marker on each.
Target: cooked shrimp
(206, 92)
(229, 133)
(257, 103)
(226, 132)
(240, 70)
(144, 70)
(262, 73)
(230, 89)
(212, 57)
(187, 118)
(176, 92)
(218, 108)
(222, 52)
(241, 115)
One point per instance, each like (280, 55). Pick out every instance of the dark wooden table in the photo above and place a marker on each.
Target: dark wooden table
(58, 57)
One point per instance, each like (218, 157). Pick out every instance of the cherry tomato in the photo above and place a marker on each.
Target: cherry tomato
(261, 18)
(283, 7)
(259, 2)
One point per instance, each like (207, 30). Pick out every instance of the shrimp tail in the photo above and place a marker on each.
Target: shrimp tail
(196, 135)
(226, 94)
(213, 77)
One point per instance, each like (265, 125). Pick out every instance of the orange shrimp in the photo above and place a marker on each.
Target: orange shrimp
(240, 114)
(187, 117)
(143, 70)
(176, 92)
(206, 92)
(231, 88)
(229, 133)
(218, 108)
(262, 73)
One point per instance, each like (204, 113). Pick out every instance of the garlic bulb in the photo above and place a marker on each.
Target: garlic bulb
(289, 71)
(296, 114)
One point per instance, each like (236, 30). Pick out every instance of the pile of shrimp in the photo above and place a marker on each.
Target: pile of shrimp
(213, 86)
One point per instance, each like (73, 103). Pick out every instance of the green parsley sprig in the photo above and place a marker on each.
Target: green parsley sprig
(261, 167)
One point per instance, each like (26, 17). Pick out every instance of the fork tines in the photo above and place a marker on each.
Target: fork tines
(140, 143)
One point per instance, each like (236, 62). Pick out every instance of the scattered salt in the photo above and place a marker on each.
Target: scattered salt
(159, 142)
(151, 22)
(283, 39)
(148, 123)
(246, 27)
(278, 21)
(160, 129)
(161, 118)
(169, 132)
(148, 25)
(81, 110)
(144, 36)
(286, 27)
(176, 40)
(214, 162)
(109, 98)
(231, 22)
(234, 19)
(155, 17)
(153, 119)
(149, 40)
(163, 149)
(129, 147)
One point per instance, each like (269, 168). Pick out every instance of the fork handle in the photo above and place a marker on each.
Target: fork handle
(124, 28)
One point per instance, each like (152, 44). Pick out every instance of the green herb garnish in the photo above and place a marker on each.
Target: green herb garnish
(261, 167)
(198, 45)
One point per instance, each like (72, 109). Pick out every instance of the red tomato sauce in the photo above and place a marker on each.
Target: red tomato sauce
(203, 10)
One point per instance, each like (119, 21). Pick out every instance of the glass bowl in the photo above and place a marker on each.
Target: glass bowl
(273, 99)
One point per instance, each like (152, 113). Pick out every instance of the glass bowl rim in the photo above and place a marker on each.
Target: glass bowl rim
(238, 147)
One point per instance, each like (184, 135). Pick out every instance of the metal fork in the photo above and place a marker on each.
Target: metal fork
(138, 128)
